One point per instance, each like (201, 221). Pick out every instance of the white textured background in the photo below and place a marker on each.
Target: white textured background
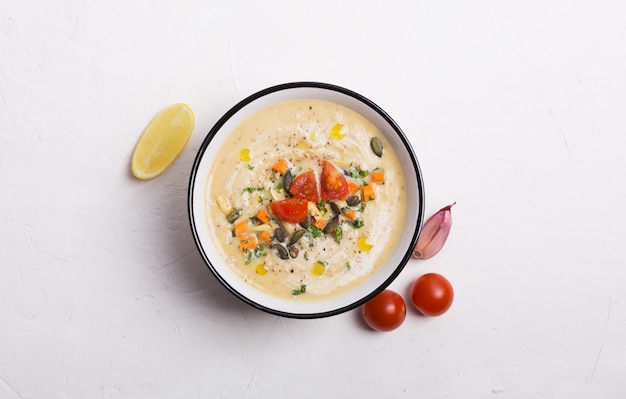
(516, 110)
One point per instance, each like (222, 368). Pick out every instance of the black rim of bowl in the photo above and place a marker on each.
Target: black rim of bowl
(294, 85)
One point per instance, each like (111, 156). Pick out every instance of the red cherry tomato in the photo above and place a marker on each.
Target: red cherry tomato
(385, 312)
(333, 183)
(291, 210)
(432, 294)
(304, 186)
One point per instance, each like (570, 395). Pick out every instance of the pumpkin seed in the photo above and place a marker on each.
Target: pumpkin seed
(296, 236)
(353, 200)
(332, 225)
(233, 215)
(293, 251)
(287, 180)
(279, 234)
(335, 208)
(377, 146)
(306, 222)
(281, 251)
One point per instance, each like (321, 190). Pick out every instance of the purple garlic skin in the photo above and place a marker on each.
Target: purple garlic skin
(434, 233)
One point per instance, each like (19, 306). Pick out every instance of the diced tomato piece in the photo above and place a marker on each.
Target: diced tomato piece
(333, 183)
(291, 210)
(304, 186)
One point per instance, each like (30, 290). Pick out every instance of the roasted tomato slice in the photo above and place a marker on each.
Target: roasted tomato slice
(291, 210)
(304, 186)
(333, 183)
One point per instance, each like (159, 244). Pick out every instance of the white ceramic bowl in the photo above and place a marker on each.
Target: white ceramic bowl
(408, 236)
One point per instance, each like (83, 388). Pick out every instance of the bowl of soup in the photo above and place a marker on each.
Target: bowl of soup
(306, 200)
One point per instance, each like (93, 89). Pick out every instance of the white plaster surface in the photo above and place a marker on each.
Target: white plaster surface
(516, 110)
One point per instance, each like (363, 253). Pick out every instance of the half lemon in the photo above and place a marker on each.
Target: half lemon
(162, 141)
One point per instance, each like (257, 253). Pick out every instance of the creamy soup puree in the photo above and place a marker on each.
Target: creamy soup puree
(305, 199)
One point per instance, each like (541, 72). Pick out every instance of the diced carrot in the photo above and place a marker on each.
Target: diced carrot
(368, 193)
(350, 214)
(241, 229)
(353, 187)
(320, 223)
(263, 216)
(265, 235)
(377, 176)
(249, 242)
(280, 166)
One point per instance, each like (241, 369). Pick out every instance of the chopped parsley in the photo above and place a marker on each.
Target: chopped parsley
(314, 232)
(256, 253)
(348, 266)
(355, 224)
(251, 189)
(299, 291)
(357, 173)
(250, 167)
(338, 233)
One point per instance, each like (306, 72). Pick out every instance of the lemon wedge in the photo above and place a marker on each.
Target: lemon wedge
(162, 141)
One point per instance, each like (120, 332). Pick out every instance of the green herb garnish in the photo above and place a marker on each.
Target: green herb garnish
(251, 189)
(299, 291)
(357, 173)
(256, 253)
(338, 233)
(314, 232)
(355, 224)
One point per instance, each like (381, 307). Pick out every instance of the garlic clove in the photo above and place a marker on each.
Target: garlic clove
(434, 233)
